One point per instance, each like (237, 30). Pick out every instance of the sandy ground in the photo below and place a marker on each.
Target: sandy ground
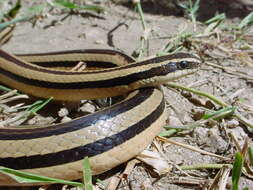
(120, 28)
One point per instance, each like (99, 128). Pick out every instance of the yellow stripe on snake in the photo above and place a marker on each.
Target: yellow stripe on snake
(108, 137)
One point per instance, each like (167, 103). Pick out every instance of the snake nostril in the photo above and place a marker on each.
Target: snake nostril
(172, 67)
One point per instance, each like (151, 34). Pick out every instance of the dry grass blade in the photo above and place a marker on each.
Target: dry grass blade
(154, 160)
(188, 181)
(231, 71)
(220, 179)
(192, 148)
(224, 178)
(158, 147)
(244, 120)
(8, 94)
(236, 142)
(115, 181)
(16, 97)
(19, 118)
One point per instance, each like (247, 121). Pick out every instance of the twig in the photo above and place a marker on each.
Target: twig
(222, 175)
(115, 181)
(230, 71)
(192, 148)
(146, 31)
(243, 120)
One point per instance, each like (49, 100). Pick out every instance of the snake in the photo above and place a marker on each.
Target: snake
(108, 137)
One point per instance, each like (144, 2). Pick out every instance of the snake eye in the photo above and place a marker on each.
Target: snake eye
(184, 64)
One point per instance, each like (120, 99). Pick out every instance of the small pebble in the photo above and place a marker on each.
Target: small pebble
(88, 107)
(174, 121)
(65, 119)
(232, 123)
(99, 42)
(63, 112)
(39, 120)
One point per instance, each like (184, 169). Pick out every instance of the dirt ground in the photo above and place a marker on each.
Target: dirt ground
(120, 28)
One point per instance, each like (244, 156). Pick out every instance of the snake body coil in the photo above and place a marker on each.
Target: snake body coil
(108, 137)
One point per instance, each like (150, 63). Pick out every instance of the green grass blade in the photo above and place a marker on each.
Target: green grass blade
(69, 5)
(184, 6)
(168, 133)
(6, 11)
(217, 18)
(14, 21)
(248, 20)
(65, 4)
(38, 105)
(250, 151)
(92, 8)
(220, 113)
(25, 177)
(237, 170)
(176, 44)
(87, 175)
(195, 7)
(35, 10)
(13, 12)
(30, 13)
(191, 9)
(4, 88)
(214, 22)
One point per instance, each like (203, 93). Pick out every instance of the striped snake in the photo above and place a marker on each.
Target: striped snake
(108, 137)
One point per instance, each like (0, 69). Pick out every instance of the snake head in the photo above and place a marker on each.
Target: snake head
(181, 61)
(187, 61)
(177, 65)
